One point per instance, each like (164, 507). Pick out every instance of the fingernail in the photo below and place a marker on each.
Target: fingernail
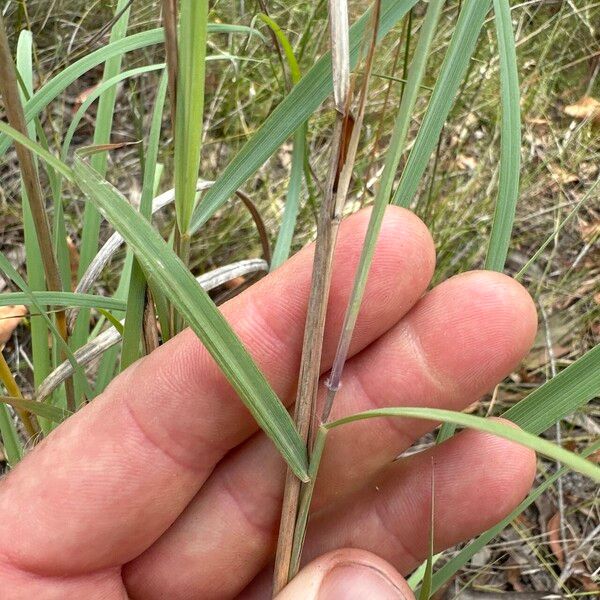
(355, 581)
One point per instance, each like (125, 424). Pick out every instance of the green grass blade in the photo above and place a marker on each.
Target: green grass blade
(112, 320)
(417, 576)
(91, 217)
(12, 274)
(290, 114)
(193, 303)
(507, 432)
(560, 396)
(445, 573)
(61, 299)
(425, 592)
(13, 449)
(285, 44)
(37, 149)
(132, 331)
(283, 244)
(190, 106)
(40, 409)
(456, 61)
(510, 150)
(410, 94)
(36, 279)
(108, 364)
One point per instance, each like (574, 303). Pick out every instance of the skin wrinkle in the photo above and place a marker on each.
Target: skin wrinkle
(428, 371)
(265, 528)
(201, 474)
(94, 578)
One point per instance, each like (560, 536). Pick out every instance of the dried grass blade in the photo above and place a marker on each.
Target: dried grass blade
(340, 52)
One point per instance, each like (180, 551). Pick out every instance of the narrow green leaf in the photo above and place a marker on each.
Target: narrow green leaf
(560, 396)
(61, 299)
(13, 449)
(456, 61)
(90, 233)
(133, 329)
(36, 278)
(510, 151)
(163, 267)
(416, 577)
(382, 196)
(285, 44)
(190, 106)
(425, 592)
(48, 157)
(290, 114)
(112, 320)
(40, 409)
(94, 95)
(283, 244)
(12, 273)
(524, 438)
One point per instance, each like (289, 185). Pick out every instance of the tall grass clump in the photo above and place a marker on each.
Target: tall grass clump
(155, 292)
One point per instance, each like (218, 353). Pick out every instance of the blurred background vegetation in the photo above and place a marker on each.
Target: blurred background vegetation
(558, 44)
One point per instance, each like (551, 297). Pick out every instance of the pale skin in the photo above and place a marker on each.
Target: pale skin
(163, 487)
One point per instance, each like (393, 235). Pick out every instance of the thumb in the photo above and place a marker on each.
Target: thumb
(347, 574)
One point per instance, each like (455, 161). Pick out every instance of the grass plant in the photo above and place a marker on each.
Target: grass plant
(340, 71)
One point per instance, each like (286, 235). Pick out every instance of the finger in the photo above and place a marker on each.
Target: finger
(350, 574)
(101, 585)
(140, 452)
(413, 364)
(479, 479)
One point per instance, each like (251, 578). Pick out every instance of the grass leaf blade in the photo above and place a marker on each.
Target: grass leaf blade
(525, 438)
(456, 61)
(40, 409)
(510, 151)
(562, 395)
(162, 265)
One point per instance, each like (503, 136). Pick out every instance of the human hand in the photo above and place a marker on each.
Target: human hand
(162, 487)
